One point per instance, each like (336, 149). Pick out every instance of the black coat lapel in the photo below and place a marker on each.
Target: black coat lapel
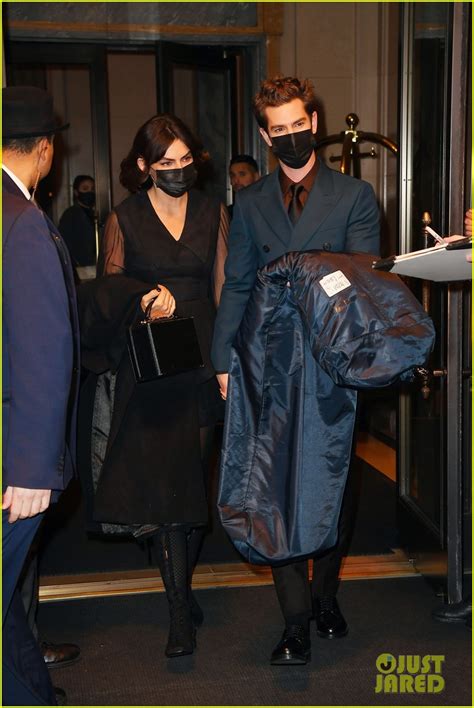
(320, 203)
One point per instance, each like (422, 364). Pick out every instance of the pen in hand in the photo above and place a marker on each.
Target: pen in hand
(436, 236)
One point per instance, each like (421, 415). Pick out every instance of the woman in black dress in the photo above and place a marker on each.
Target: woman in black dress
(166, 241)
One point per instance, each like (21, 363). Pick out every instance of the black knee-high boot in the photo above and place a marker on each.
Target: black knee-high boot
(196, 535)
(194, 542)
(172, 559)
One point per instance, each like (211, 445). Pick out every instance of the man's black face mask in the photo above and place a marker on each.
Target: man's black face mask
(88, 199)
(294, 149)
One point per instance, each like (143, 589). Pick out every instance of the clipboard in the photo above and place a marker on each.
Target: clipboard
(440, 263)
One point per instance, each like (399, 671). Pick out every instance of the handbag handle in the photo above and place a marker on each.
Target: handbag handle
(148, 309)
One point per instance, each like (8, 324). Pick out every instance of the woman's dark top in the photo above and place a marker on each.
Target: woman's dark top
(152, 471)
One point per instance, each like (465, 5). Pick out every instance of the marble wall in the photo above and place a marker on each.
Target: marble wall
(126, 20)
(350, 52)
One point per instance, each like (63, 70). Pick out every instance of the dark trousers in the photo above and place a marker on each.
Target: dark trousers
(29, 586)
(294, 590)
(26, 680)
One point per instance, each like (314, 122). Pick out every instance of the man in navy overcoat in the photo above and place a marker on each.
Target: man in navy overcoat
(301, 206)
(40, 374)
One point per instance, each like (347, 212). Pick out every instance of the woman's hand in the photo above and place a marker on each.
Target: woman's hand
(164, 305)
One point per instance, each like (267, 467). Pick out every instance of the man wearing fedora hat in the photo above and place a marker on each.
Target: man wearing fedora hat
(40, 373)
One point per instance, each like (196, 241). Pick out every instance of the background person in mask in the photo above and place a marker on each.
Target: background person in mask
(77, 226)
(243, 170)
(301, 206)
(159, 245)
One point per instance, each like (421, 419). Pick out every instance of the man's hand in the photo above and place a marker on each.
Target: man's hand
(468, 223)
(223, 380)
(456, 237)
(24, 503)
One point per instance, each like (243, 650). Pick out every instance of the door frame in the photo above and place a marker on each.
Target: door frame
(444, 545)
(456, 388)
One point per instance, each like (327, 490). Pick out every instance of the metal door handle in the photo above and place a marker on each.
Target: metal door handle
(426, 375)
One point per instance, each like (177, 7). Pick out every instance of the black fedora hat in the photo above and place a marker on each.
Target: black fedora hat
(28, 113)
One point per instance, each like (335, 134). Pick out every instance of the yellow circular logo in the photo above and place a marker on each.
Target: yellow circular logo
(386, 663)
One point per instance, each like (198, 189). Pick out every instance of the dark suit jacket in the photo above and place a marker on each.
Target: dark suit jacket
(40, 348)
(341, 214)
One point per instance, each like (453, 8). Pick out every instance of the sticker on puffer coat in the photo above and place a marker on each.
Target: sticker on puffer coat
(334, 283)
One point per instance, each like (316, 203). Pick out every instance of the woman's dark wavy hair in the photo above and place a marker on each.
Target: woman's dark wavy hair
(151, 142)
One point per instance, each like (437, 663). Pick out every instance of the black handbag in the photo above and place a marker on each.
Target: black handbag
(163, 347)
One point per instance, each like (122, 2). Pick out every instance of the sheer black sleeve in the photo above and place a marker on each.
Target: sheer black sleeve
(221, 254)
(111, 257)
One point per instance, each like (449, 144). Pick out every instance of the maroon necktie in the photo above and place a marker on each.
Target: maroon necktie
(295, 208)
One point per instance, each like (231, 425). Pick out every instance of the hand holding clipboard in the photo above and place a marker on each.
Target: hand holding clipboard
(446, 261)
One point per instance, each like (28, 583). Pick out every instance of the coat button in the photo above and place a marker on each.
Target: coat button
(327, 246)
(266, 248)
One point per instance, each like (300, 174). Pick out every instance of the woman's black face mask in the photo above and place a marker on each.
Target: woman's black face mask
(175, 182)
(294, 149)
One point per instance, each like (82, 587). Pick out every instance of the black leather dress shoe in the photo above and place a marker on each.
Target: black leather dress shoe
(293, 648)
(59, 655)
(329, 620)
(457, 612)
(61, 698)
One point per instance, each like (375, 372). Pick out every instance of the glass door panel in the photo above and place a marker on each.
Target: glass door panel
(202, 88)
(434, 58)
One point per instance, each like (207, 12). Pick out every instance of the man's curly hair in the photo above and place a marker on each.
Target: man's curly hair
(280, 90)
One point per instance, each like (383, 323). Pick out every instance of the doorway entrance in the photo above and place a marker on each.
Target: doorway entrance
(106, 93)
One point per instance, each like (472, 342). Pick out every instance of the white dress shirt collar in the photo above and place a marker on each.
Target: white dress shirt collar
(17, 181)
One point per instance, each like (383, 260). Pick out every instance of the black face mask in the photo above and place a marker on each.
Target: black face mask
(87, 199)
(174, 182)
(294, 149)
